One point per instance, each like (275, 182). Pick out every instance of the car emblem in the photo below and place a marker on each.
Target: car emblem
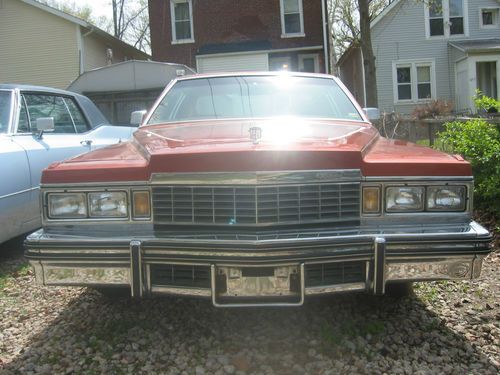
(255, 134)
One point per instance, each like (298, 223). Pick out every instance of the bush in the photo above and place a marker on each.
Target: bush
(486, 104)
(432, 109)
(479, 143)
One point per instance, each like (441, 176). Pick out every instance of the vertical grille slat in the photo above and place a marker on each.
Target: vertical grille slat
(254, 205)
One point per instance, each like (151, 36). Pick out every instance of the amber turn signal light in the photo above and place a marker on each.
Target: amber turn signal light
(371, 200)
(141, 208)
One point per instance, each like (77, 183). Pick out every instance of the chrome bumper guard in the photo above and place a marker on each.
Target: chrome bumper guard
(260, 279)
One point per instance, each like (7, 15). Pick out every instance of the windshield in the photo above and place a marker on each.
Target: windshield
(5, 100)
(254, 97)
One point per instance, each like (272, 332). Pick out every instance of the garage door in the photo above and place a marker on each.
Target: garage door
(246, 62)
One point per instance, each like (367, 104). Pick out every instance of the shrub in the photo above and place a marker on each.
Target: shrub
(433, 108)
(486, 104)
(479, 143)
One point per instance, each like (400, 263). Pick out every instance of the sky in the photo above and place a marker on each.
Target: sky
(99, 7)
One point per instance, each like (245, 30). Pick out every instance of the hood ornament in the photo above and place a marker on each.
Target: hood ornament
(255, 134)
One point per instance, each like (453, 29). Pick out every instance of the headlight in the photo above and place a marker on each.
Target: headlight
(108, 204)
(404, 198)
(67, 205)
(446, 198)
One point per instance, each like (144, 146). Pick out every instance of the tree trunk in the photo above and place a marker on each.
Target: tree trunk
(368, 56)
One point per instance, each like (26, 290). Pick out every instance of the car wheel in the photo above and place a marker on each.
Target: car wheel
(399, 290)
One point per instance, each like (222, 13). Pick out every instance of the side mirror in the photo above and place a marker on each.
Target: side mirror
(136, 117)
(44, 124)
(372, 113)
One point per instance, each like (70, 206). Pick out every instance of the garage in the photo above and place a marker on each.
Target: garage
(233, 63)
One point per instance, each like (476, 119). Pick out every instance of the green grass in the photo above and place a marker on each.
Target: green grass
(427, 292)
(332, 336)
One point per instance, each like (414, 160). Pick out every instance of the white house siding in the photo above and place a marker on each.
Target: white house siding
(400, 35)
(95, 51)
(232, 63)
(36, 47)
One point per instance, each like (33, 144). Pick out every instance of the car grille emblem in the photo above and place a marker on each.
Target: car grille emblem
(255, 134)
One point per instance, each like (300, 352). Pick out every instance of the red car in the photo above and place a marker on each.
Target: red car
(257, 189)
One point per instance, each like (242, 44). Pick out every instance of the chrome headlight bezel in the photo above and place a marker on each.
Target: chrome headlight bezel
(122, 198)
(426, 190)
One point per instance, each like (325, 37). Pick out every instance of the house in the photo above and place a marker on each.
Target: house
(41, 45)
(445, 51)
(229, 35)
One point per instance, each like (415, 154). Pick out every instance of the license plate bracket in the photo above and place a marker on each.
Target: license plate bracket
(274, 285)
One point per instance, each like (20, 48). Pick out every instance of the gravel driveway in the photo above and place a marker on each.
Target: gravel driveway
(447, 328)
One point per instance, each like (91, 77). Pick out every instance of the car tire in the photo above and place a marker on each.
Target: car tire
(399, 290)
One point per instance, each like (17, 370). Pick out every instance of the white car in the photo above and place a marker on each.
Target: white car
(38, 126)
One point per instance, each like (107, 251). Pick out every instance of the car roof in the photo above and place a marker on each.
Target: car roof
(253, 73)
(23, 87)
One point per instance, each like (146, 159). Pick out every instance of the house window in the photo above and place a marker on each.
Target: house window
(292, 18)
(309, 63)
(456, 20)
(436, 19)
(488, 18)
(413, 81)
(182, 21)
(445, 18)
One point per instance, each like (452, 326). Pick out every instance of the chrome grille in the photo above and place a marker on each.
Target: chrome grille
(254, 205)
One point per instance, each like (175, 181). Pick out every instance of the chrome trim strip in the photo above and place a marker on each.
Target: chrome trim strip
(251, 178)
(379, 245)
(348, 287)
(96, 185)
(256, 178)
(417, 178)
(135, 269)
(19, 192)
(193, 292)
(473, 232)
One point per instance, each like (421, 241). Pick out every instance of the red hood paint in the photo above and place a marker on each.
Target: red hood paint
(226, 146)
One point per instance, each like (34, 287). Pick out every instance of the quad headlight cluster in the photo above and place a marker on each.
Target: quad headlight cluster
(435, 198)
(99, 205)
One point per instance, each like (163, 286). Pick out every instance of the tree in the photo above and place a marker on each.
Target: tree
(81, 11)
(368, 56)
(350, 22)
(131, 22)
(130, 19)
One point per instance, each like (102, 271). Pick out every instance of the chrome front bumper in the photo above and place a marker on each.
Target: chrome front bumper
(261, 270)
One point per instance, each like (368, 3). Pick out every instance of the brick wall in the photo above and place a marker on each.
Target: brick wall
(229, 21)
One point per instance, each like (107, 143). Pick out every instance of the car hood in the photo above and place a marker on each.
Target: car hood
(254, 145)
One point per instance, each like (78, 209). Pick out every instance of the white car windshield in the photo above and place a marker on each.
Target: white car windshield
(5, 101)
(246, 97)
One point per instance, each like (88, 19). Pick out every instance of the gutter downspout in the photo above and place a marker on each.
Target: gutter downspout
(363, 75)
(81, 45)
(325, 34)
